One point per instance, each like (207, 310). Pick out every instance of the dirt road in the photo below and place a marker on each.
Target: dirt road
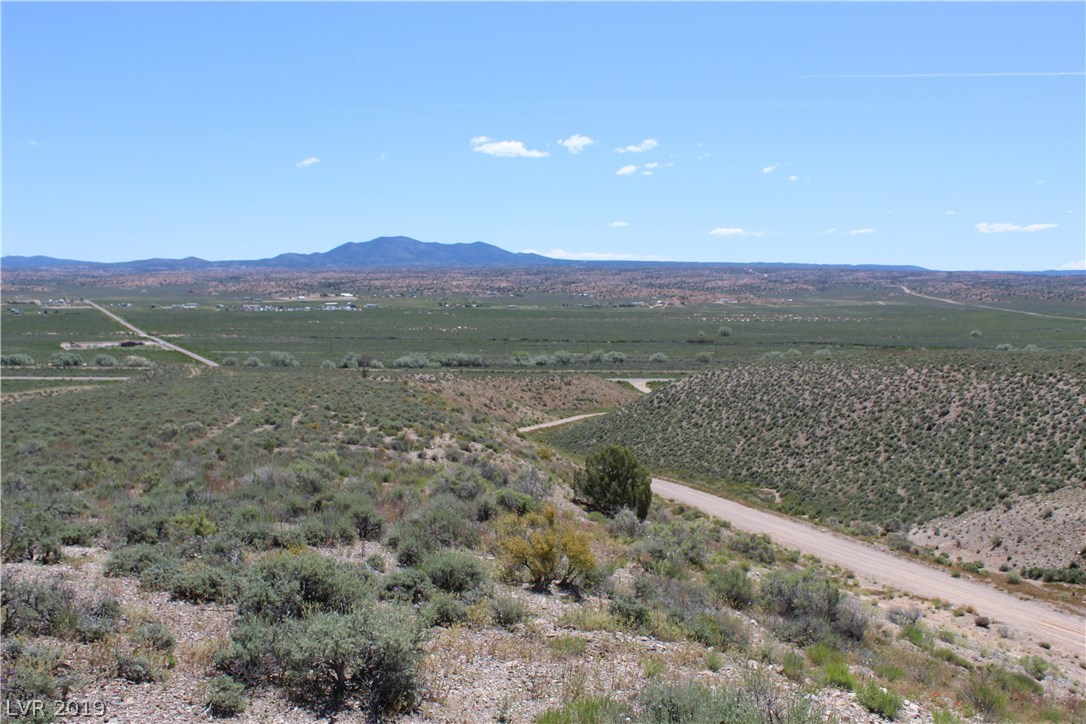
(556, 423)
(161, 342)
(641, 384)
(1030, 619)
(985, 306)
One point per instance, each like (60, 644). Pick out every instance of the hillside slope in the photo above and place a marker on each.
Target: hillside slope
(891, 441)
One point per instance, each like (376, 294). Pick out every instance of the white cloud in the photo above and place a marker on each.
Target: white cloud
(626, 170)
(951, 213)
(504, 149)
(986, 228)
(653, 164)
(308, 162)
(647, 145)
(734, 231)
(830, 230)
(1074, 266)
(576, 143)
(860, 232)
(793, 178)
(593, 255)
(619, 224)
(770, 169)
(646, 173)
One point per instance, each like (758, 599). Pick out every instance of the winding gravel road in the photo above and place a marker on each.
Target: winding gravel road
(1029, 618)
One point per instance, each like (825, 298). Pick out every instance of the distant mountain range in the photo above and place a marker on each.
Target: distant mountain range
(385, 251)
(399, 252)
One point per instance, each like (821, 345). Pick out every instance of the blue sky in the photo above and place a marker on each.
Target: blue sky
(941, 134)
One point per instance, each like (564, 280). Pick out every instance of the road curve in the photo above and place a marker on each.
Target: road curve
(1030, 618)
(161, 342)
(641, 384)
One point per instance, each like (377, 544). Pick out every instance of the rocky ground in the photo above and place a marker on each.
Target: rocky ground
(1046, 530)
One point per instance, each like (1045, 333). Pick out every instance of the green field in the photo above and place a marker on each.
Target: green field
(504, 331)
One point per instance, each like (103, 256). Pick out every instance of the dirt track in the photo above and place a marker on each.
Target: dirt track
(1029, 618)
(161, 342)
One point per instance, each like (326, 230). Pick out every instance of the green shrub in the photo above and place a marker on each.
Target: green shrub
(40, 608)
(201, 583)
(328, 528)
(950, 657)
(508, 611)
(133, 360)
(985, 695)
(630, 611)
(283, 359)
(808, 607)
(287, 585)
(719, 630)
(613, 479)
(733, 586)
(456, 572)
(16, 360)
(372, 651)
(154, 636)
(878, 700)
(756, 547)
(137, 668)
(29, 534)
(694, 703)
(443, 610)
(66, 359)
(587, 710)
(836, 673)
(1036, 666)
(33, 673)
(410, 585)
(105, 360)
(225, 697)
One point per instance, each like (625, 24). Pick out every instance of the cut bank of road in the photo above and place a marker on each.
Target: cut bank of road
(1027, 616)
(161, 342)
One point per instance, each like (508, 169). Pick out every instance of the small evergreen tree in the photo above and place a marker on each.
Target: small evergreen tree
(613, 479)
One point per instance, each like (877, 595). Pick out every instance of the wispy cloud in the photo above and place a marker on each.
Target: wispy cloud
(593, 255)
(1040, 74)
(576, 143)
(793, 178)
(830, 230)
(860, 232)
(986, 228)
(626, 170)
(647, 145)
(1074, 265)
(504, 149)
(728, 231)
(952, 213)
(312, 160)
(619, 224)
(653, 164)
(770, 169)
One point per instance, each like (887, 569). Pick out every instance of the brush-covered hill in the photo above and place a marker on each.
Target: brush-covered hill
(875, 439)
